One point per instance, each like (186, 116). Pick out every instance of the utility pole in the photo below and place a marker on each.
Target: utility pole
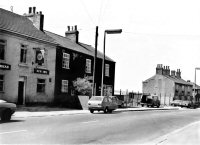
(94, 66)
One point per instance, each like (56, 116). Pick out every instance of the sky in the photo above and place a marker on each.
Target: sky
(153, 32)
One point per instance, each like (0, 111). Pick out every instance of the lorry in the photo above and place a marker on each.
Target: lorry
(150, 100)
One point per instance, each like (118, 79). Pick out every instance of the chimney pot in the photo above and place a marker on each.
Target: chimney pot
(30, 10)
(68, 27)
(34, 9)
(75, 27)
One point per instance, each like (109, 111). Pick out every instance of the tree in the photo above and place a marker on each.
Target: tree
(83, 86)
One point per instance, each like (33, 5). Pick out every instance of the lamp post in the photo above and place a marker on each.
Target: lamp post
(113, 31)
(197, 68)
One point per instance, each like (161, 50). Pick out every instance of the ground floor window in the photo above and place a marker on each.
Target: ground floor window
(1, 83)
(40, 85)
(64, 88)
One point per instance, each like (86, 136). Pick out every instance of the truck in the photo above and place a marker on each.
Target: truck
(150, 100)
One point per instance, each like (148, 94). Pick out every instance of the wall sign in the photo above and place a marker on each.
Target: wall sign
(41, 71)
(5, 66)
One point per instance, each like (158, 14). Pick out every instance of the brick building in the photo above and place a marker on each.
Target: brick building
(168, 86)
(27, 59)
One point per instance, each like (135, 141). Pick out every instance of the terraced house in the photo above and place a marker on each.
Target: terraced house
(168, 86)
(38, 66)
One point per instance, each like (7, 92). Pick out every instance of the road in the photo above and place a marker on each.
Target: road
(134, 127)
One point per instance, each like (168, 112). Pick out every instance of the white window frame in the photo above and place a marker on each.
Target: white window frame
(23, 57)
(44, 85)
(2, 81)
(88, 66)
(66, 60)
(107, 70)
(4, 49)
(65, 86)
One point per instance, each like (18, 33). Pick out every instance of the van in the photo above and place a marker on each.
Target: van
(150, 101)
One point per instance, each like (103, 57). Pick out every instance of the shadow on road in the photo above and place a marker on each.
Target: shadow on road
(11, 121)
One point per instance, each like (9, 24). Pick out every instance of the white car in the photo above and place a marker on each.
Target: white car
(6, 110)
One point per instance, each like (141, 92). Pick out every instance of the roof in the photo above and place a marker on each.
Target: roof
(79, 47)
(174, 79)
(19, 24)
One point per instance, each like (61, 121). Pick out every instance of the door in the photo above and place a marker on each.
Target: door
(20, 93)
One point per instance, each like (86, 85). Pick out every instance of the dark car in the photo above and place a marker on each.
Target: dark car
(120, 103)
(6, 110)
(102, 103)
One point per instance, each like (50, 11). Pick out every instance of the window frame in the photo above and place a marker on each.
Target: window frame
(42, 84)
(65, 86)
(24, 58)
(65, 60)
(88, 65)
(4, 49)
(107, 70)
(3, 82)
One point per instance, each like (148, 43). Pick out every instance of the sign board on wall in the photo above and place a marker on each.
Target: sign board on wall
(5, 66)
(41, 71)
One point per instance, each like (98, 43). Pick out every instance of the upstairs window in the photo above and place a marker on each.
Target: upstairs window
(41, 85)
(23, 54)
(1, 83)
(2, 49)
(64, 88)
(107, 70)
(88, 66)
(65, 62)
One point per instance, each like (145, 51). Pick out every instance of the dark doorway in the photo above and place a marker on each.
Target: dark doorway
(20, 93)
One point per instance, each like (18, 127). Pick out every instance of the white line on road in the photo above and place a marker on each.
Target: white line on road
(12, 131)
(90, 121)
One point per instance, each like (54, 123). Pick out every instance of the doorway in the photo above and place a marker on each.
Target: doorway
(21, 91)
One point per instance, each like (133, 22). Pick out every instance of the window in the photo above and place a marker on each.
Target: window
(64, 88)
(88, 66)
(41, 85)
(1, 83)
(2, 49)
(23, 54)
(107, 67)
(65, 62)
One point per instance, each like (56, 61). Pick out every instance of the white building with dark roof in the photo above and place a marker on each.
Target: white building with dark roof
(168, 86)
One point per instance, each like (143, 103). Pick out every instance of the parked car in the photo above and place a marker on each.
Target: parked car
(185, 103)
(150, 101)
(102, 103)
(6, 110)
(176, 103)
(120, 103)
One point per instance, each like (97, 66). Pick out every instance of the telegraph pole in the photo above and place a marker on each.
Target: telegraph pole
(94, 66)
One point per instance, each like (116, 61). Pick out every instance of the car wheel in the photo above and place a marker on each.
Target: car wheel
(91, 111)
(110, 111)
(6, 115)
(158, 106)
(106, 110)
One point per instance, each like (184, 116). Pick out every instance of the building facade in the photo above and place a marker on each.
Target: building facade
(168, 86)
(27, 60)
(38, 66)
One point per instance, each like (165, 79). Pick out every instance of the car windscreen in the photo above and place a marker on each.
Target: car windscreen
(96, 98)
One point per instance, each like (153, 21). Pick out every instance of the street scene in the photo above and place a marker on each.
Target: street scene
(100, 72)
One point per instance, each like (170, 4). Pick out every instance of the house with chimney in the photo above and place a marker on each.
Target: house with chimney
(38, 66)
(168, 85)
(27, 58)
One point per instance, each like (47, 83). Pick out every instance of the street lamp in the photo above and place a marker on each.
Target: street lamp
(112, 31)
(197, 68)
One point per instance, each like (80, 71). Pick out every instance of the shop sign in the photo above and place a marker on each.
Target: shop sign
(5, 66)
(41, 71)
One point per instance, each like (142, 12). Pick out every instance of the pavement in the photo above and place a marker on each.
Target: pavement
(188, 135)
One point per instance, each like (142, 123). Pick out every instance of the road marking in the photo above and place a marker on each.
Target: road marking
(12, 131)
(90, 121)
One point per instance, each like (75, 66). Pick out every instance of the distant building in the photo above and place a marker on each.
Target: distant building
(168, 86)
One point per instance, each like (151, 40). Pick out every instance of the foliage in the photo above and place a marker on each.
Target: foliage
(83, 86)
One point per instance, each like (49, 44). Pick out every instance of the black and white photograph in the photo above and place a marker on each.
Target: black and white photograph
(77, 72)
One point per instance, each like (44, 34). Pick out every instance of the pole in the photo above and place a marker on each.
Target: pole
(194, 85)
(103, 64)
(95, 59)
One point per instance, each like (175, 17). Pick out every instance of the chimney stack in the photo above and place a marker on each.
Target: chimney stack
(178, 73)
(72, 33)
(159, 69)
(173, 73)
(36, 18)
